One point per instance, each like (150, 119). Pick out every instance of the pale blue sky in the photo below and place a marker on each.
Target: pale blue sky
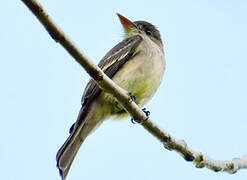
(203, 97)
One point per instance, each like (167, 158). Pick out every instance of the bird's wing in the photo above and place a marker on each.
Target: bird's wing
(110, 64)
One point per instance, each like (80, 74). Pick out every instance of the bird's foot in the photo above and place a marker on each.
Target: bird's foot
(133, 121)
(147, 114)
(132, 97)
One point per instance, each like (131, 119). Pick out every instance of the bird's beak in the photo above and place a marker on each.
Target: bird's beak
(127, 24)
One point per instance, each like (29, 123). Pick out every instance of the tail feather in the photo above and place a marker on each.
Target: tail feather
(87, 121)
(67, 152)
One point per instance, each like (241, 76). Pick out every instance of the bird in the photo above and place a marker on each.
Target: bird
(137, 65)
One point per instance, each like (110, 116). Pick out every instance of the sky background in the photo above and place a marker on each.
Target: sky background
(202, 99)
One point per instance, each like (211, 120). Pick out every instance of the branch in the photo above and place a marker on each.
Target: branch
(200, 160)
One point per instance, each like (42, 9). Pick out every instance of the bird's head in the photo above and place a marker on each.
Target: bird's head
(141, 27)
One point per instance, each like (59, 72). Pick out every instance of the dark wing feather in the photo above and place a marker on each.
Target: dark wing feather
(110, 64)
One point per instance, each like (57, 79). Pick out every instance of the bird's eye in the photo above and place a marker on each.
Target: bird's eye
(148, 32)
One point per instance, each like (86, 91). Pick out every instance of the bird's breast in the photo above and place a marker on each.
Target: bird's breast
(142, 74)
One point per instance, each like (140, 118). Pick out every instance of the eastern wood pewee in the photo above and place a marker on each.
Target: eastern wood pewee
(136, 64)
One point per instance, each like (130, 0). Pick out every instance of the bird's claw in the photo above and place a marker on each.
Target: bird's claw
(133, 121)
(145, 111)
(132, 97)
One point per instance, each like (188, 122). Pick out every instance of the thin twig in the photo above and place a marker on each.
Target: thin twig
(199, 159)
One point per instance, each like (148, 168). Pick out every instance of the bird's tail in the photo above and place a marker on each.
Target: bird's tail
(68, 151)
(87, 122)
